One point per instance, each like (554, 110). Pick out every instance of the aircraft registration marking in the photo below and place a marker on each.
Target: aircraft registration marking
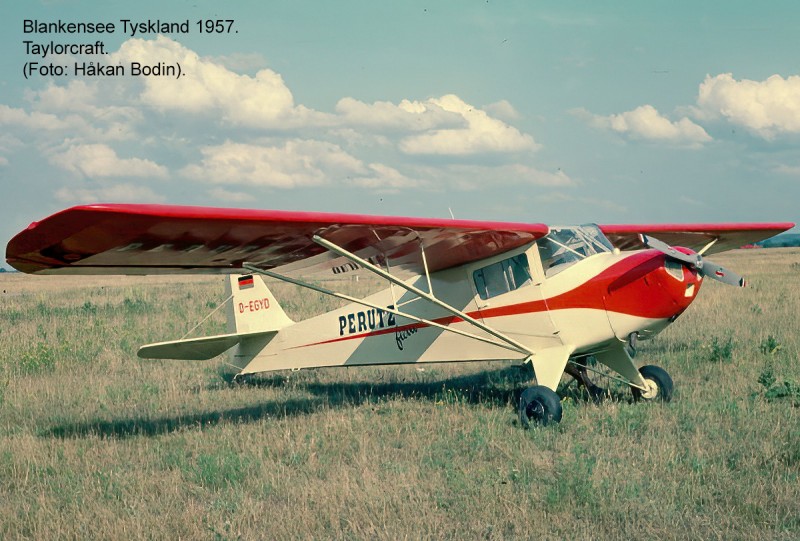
(254, 305)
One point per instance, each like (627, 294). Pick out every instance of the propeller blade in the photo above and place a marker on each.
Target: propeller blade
(695, 261)
(717, 272)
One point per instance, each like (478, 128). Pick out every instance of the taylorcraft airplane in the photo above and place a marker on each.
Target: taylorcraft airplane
(563, 299)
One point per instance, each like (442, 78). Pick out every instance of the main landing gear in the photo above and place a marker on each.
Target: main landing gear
(539, 405)
(577, 369)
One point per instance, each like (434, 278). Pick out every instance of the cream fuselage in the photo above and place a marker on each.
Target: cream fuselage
(594, 302)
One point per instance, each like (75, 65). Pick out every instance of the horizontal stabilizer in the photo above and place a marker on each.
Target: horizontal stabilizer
(196, 349)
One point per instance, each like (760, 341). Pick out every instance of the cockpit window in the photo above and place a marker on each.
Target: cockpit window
(502, 277)
(565, 246)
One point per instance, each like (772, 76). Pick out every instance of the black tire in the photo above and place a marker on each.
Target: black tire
(539, 405)
(660, 383)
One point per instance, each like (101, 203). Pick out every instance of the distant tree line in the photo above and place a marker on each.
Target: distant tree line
(785, 240)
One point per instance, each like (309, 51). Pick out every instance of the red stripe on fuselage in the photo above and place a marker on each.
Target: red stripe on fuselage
(606, 291)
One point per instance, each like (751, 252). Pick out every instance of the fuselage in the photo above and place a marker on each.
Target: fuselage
(586, 303)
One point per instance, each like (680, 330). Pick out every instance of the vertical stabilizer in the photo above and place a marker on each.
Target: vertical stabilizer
(253, 307)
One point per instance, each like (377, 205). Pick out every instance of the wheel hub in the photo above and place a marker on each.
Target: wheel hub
(535, 410)
(651, 389)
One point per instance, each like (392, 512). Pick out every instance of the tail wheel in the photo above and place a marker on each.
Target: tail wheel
(658, 385)
(539, 405)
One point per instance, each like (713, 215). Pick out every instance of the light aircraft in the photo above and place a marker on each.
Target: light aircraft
(563, 299)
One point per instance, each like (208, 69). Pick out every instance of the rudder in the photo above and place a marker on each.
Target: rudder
(253, 307)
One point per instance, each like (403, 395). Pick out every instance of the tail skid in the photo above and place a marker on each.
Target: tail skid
(253, 313)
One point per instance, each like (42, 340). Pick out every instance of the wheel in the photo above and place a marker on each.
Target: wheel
(658, 383)
(539, 405)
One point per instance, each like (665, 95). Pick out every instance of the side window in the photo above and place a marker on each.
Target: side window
(502, 277)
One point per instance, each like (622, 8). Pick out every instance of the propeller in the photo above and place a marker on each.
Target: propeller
(695, 261)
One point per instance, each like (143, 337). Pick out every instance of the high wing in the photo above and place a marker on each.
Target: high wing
(162, 239)
(694, 236)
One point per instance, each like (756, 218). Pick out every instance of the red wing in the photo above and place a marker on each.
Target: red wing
(694, 236)
(160, 239)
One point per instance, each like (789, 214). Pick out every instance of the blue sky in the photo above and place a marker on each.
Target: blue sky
(559, 112)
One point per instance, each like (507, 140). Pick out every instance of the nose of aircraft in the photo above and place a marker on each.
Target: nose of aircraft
(649, 292)
(680, 282)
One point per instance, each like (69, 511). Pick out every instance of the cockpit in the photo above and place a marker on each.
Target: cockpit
(565, 246)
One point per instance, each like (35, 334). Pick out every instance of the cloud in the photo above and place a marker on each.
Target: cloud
(221, 194)
(788, 170)
(482, 134)
(295, 163)
(767, 108)
(98, 160)
(125, 193)
(385, 179)
(502, 109)
(146, 127)
(85, 98)
(14, 117)
(209, 88)
(474, 177)
(53, 127)
(241, 61)
(406, 116)
(646, 123)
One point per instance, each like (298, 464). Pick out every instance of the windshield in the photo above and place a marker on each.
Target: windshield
(564, 246)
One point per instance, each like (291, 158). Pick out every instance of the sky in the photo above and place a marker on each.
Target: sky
(535, 111)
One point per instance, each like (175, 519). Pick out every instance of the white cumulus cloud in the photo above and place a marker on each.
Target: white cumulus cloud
(382, 178)
(645, 122)
(406, 116)
(210, 88)
(767, 108)
(482, 134)
(98, 160)
(295, 163)
(35, 120)
(147, 127)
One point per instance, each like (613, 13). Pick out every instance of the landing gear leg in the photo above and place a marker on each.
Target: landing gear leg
(577, 370)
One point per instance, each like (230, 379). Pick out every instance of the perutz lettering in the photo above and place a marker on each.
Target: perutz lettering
(254, 305)
(366, 320)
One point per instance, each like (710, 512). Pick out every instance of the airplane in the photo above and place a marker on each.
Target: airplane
(562, 299)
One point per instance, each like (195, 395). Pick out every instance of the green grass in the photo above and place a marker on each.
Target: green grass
(97, 444)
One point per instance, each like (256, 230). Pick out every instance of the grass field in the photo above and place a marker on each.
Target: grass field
(97, 444)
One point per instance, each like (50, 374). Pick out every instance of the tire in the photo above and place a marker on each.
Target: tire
(659, 385)
(539, 405)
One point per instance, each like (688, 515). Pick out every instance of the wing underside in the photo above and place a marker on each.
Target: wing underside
(160, 239)
(717, 237)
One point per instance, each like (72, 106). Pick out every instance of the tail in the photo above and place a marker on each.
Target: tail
(254, 318)
(253, 308)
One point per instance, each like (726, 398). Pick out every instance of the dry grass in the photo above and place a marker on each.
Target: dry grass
(95, 443)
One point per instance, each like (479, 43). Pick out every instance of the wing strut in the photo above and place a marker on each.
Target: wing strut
(427, 296)
(363, 302)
